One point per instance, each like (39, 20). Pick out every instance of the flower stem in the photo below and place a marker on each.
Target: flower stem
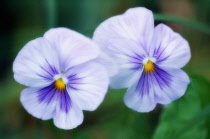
(51, 13)
(38, 129)
(187, 22)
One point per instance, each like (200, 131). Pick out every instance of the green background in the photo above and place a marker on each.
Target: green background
(186, 118)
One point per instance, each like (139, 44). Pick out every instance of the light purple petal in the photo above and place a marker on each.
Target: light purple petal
(140, 103)
(125, 79)
(40, 103)
(73, 48)
(87, 85)
(68, 119)
(177, 87)
(48, 93)
(126, 53)
(129, 57)
(47, 103)
(169, 48)
(141, 96)
(107, 62)
(163, 86)
(136, 24)
(36, 64)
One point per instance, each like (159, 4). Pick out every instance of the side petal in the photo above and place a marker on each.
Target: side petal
(136, 24)
(73, 48)
(36, 64)
(125, 79)
(169, 48)
(177, 87)
(40, 103)
(129, 57)
(68, 115)
(87, 85)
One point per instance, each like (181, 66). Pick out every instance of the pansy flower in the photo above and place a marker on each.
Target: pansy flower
(149, 58)
(62, 76)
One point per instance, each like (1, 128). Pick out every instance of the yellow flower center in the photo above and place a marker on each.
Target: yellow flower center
(59, 84)
(149, 67)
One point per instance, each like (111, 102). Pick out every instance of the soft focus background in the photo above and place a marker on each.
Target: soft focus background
(186, 118)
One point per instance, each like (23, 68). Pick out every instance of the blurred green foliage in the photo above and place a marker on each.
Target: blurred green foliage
(188, 117)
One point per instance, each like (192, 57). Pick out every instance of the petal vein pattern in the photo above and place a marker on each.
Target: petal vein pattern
(47, 94)
(147, 80)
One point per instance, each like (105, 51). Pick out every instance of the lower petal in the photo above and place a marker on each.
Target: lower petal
(163, 86)
(137, 102)
(68, 119)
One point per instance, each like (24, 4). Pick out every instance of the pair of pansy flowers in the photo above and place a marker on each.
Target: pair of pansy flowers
(67, 72)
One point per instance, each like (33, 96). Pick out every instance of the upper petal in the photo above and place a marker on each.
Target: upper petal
(87, 85)
(136, 24)
(169, 48)
(73, 48)
(36, 64)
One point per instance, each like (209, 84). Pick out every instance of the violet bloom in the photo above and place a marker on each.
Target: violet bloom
(62, 76)
(149, 58)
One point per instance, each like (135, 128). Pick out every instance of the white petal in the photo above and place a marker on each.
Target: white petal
(88, 84)
(178, 86)
(33, 103)
(136, 24)
(68, 120)
(73, 48)
(169, 48)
